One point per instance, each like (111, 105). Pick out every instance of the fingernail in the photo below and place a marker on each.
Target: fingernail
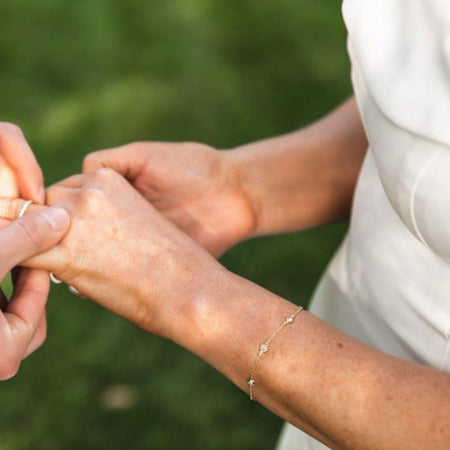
(58, 218)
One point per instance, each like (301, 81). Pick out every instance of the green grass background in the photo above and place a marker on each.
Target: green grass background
(83, 75)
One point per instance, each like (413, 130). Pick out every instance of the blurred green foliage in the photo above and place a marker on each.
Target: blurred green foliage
(78, 76)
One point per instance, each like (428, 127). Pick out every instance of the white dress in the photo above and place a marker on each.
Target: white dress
(389, 283)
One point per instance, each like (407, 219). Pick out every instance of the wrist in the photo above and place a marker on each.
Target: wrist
(224, 321)
(238, 163)
(197, 321)
(205, 283)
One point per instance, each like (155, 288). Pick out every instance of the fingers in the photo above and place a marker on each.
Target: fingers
(112, 158)
(74, 182)
(25, 314)
(8, 181)
(59, 195)
(103, 179)
(31, 235)
(83, 180)
(18, 155)
(123, 160)
(39, 336)
(29, 298)
(11, 207)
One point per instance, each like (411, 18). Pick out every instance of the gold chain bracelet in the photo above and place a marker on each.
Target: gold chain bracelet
(264, 347)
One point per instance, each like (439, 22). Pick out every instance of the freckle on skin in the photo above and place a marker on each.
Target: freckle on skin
(340, 345)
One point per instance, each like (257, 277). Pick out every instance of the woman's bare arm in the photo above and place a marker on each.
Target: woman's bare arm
(344, 393)
(305, 178)
(291, 182)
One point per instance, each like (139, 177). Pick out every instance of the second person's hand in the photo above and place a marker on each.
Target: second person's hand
(22, 320)
(19, 171)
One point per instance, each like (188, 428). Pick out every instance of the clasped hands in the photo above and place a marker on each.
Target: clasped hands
(124, 233)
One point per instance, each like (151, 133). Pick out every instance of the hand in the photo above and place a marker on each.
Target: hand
(22, 319)
(193, 185)
(19, 170)
(20, 174)
(120, 251)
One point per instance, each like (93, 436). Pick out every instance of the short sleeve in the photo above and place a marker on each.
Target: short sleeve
(400, 71)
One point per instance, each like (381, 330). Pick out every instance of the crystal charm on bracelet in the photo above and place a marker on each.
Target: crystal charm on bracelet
(264, 347)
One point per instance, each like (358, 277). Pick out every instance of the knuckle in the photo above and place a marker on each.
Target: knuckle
(92, 199)
(89, 162)
(105, 174)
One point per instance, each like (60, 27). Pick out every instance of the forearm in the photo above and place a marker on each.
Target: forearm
(341, 391)
(305, 178)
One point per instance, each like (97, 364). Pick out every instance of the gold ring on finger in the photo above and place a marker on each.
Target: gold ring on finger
(24, 208)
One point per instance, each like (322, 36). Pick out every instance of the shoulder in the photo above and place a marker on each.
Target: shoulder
(402, 48)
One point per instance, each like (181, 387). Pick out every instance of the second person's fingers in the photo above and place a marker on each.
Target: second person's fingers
(31, 235)
(30, 296)
(17, 153)
(39, 336)
(26, 310)
(11, 207)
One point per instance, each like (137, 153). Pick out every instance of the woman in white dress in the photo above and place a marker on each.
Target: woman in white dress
(367, 367)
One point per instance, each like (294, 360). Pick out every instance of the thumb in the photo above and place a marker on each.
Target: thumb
(31, 235)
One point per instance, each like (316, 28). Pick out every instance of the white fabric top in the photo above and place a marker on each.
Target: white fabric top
(389, 283)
